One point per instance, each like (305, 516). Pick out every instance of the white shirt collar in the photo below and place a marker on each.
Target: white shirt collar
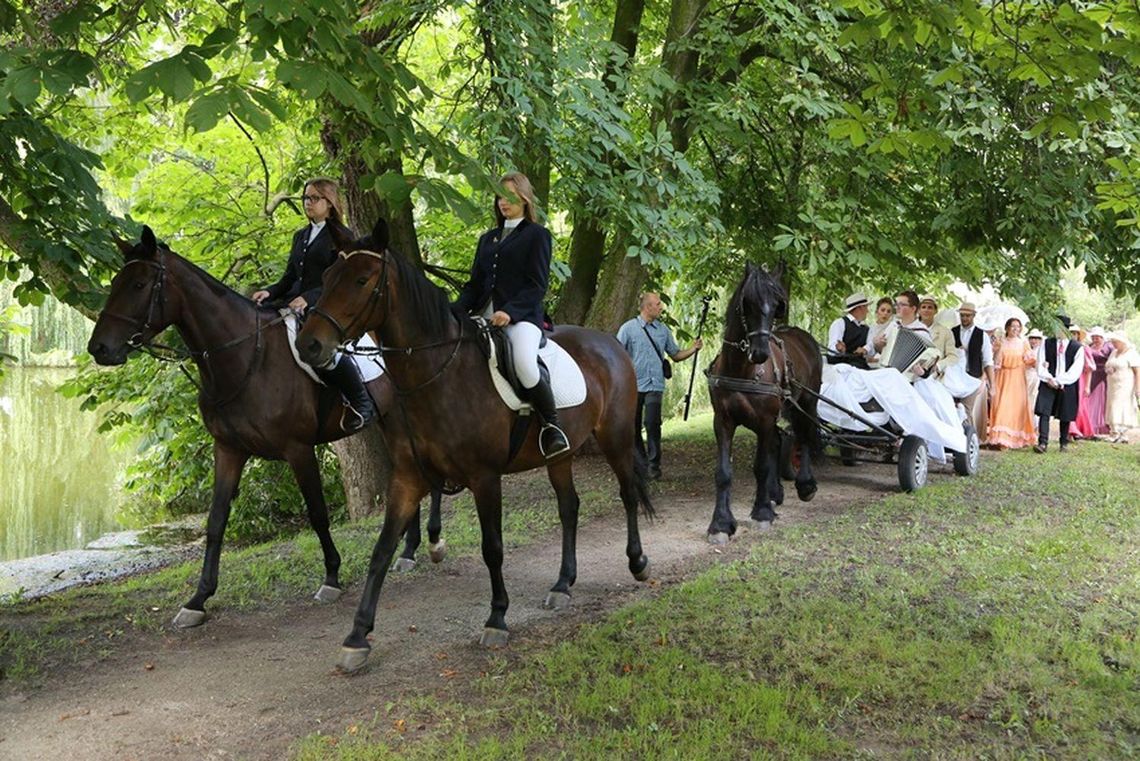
(511, 224)
(315, 229)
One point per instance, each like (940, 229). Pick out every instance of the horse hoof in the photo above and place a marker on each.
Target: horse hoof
(352, 659)
(438, 551)
(719, 538)
(643, 574)
(556, 601)
(806, 495)
(404, 565)
(494, 637)
(762, 525)
(188, 619)
(328, 594)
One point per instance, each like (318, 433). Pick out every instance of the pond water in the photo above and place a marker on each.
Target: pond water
(60, 481)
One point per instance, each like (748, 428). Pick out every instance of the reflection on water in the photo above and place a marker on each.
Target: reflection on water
(60, 481)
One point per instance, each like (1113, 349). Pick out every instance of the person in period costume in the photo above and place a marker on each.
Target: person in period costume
(847, 335)
(314, 251)
(507, 286)
(649, 342)
(906, 310)
(976, 358)
(1060, 361)
(940, 334)
(1032, 381)
(884, 316)
(1123, 386)
(1010, 424)
(1096, 355)
(1082, 427)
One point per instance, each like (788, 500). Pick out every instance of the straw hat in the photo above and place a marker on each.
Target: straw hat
(1097, 330)
(967, 306)
(856, 300)
(1035, 333)
(923, 299)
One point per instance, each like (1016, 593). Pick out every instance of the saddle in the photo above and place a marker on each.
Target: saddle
(566, 379)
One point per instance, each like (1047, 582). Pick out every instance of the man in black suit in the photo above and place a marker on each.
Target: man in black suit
(1060, 362)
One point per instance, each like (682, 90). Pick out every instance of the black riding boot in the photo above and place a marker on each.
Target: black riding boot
(345, 377)
(551, 440)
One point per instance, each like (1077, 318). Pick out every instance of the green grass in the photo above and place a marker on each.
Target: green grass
(85, 623)
(988, 617)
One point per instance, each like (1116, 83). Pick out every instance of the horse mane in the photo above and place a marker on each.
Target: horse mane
(427, 300)
(214, 284)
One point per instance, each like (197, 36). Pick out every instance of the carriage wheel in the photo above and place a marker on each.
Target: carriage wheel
(787, 454)
(966, 463)
(912, 463)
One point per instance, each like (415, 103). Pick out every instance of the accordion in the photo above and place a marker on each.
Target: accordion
(908, 347)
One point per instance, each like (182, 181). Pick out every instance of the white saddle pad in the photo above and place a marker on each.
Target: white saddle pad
(566, 379)
(371, 366)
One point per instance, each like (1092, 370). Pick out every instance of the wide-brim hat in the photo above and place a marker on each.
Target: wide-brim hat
(1035, 333)
(967, 306)
(1097, 330)
(856, 300)
(1117, 335)
(1064, 320)
(922, 299)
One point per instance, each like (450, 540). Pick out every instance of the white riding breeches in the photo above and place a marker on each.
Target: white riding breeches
(525, 338)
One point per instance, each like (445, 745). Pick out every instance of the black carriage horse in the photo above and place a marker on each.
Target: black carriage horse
(761, 373)
(254, 399)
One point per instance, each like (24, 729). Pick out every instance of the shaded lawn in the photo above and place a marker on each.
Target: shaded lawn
(993, 616)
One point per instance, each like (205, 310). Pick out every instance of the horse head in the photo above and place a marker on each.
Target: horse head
(760, 301)
(352, 295)
(137, 307)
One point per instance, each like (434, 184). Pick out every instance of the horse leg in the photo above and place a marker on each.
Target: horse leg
(769, 490)
(561, 474)
(228, 464)
(403, 501)
(807, 431)
(303, 460)
(412, 539)
(437, 548)
(630, 466)
(723, 525)
(489, 504)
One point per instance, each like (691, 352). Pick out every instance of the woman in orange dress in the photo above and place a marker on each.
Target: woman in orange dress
(1011, 425)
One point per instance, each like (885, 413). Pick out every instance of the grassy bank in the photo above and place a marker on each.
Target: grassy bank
(993, 617)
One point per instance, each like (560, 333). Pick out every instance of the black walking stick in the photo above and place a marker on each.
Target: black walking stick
(693, 373)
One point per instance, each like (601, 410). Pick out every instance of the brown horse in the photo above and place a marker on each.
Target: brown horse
(760, 373)
(254, 399)
(455, 428)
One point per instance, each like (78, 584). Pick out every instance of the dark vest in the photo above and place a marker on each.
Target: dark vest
(973, 351)
(854, 334)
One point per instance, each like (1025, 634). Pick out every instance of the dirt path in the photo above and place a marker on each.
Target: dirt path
(248, 685)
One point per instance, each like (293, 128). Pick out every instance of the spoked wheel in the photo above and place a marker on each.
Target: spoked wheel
(966, 463)
(912, 463)
(847, 455)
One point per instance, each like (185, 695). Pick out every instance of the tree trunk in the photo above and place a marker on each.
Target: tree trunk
(365, 468)
(618, 293)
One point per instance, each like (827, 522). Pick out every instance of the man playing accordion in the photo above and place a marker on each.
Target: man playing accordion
(907, 344)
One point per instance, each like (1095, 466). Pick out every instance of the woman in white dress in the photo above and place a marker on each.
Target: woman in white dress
(1123, 368)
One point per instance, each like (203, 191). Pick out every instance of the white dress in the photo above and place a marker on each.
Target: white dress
(1120, 410)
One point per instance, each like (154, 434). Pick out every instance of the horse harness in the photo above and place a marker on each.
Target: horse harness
(779, 386)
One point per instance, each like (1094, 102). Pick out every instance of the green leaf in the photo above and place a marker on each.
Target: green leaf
(394, 187)
(23, 85)
(206, 111)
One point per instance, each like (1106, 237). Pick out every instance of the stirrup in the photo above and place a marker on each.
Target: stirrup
(558, 446)
(351, 421)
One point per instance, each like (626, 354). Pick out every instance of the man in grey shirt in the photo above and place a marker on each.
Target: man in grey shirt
(648, 342)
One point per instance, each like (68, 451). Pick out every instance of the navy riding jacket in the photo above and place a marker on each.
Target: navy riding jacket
(512, 273)
(307, 264)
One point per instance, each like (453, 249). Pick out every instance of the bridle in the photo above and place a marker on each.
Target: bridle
(745, 343)
(157, 301)
(378, 292)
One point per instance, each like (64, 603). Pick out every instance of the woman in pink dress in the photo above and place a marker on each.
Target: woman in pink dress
(1011, 425)
(1096, 355)
(1082, 427)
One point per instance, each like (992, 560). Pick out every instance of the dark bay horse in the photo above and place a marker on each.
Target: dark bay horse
(455, 427)
(758, 375)
(254, 399)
